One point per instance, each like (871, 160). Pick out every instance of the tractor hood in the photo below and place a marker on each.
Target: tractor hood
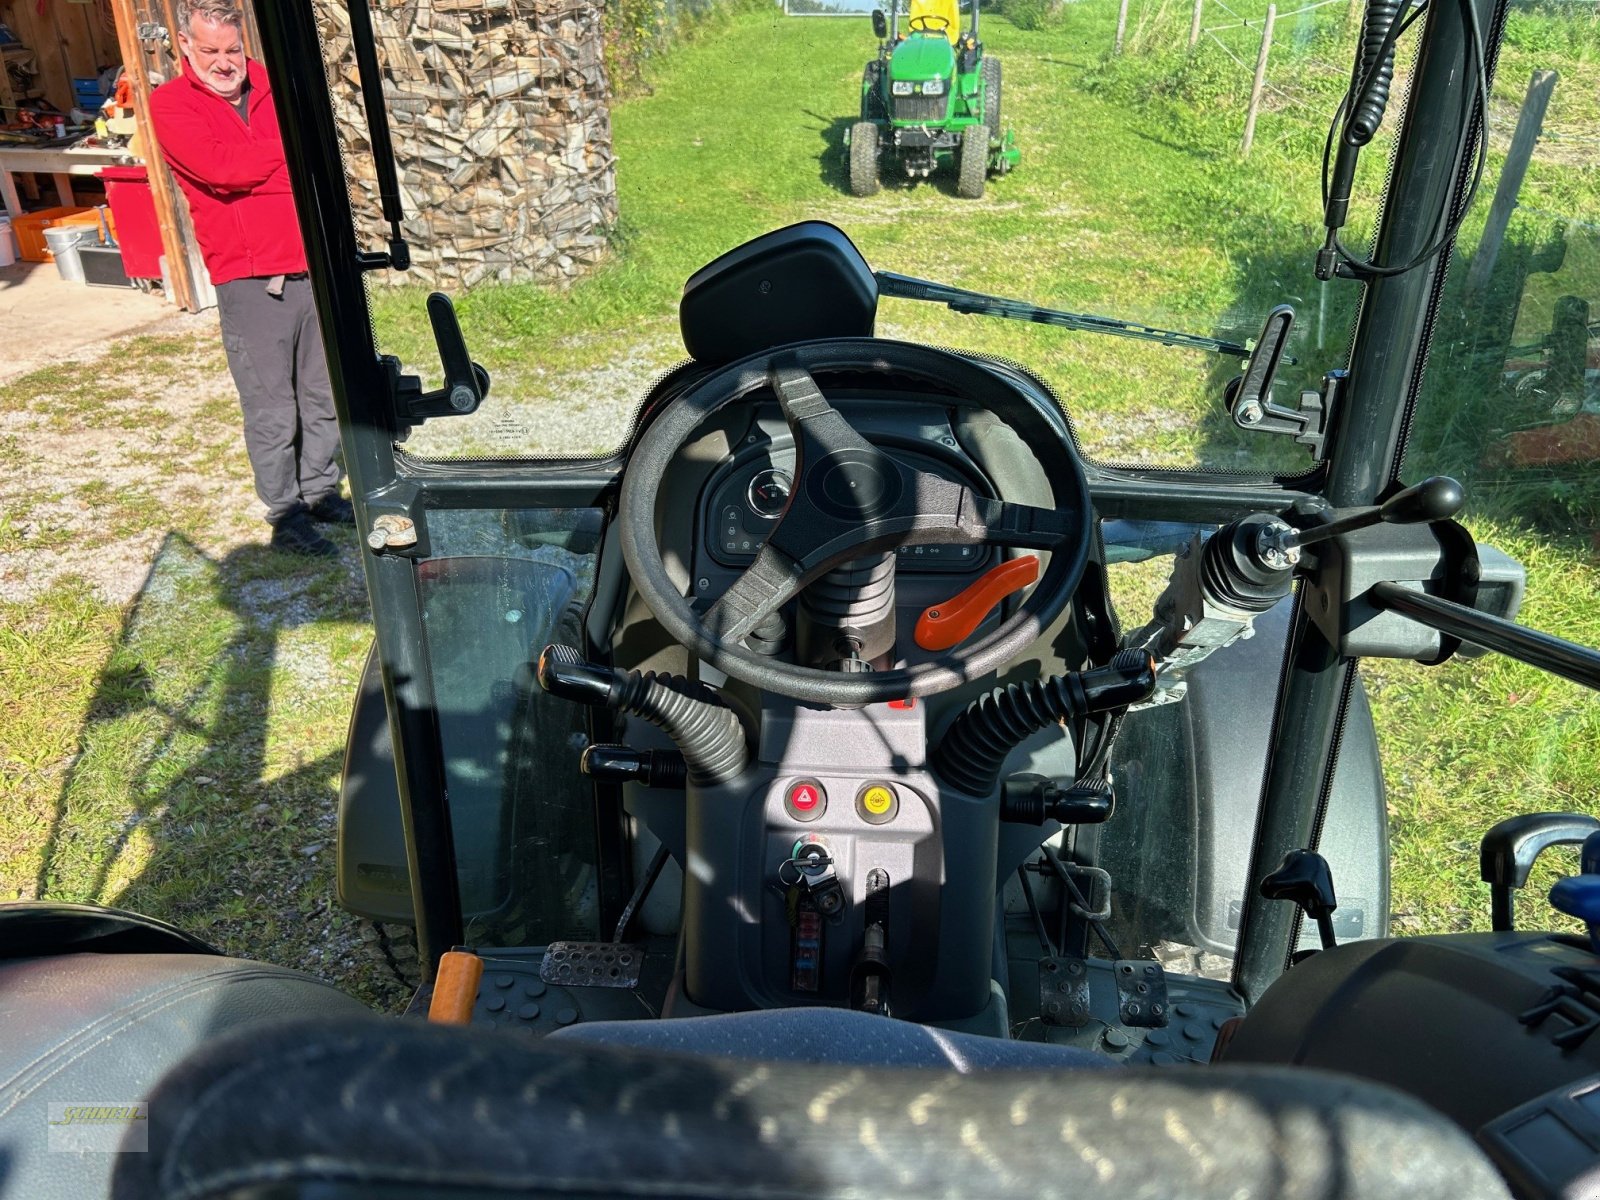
(919, 58)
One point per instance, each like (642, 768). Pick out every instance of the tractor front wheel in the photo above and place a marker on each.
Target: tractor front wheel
(863, 158)
(972, 165)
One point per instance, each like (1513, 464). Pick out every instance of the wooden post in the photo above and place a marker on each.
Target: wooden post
(1194, 25)
(1529, 123)
(162, 188)
(1122, 26)
(1260, 80)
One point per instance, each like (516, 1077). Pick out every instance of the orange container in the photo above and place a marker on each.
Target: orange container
(30, 229)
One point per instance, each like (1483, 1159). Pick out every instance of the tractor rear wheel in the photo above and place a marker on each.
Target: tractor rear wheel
(872, 107)
(863, 158)
(972, 165)
(991, 95)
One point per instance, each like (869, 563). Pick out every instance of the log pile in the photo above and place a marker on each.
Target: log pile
(498, 110)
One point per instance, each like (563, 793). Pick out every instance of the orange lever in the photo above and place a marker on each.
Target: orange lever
(455, 988)
(949, 624)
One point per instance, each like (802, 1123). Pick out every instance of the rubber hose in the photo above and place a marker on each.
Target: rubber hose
(708, 733)
(974, 748)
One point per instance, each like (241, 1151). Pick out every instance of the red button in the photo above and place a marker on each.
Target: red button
(805, 799)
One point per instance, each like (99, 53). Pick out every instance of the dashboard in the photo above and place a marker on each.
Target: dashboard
(743, 498)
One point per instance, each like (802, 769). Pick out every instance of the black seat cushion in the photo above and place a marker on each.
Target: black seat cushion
(390, 1108)
(839, 1036)
(101, 1029)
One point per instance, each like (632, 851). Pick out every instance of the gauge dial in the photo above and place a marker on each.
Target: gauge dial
(768, 493)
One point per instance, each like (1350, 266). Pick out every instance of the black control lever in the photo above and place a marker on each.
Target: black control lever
(691, 714)
(465, 382)
(623, 764)
(1035, 799)
(1248, 400)
(1508, 851)
(1249, 396)
(1437, 498)
(1305, 880)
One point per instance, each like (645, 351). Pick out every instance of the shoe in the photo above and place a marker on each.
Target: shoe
(295, 534)
(333, 509)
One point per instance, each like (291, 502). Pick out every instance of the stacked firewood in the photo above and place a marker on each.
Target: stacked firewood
(498, 111)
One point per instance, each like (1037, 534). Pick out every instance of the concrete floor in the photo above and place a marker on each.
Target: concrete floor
(44, 319)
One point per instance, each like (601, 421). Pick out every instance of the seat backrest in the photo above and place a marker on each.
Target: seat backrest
(394, 1108)
(948, 11)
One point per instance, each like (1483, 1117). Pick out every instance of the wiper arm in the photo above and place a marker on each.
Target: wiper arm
(905, 287)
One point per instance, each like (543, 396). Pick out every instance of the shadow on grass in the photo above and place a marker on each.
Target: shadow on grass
(204, 784)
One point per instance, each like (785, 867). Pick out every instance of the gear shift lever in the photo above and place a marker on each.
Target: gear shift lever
(1305, 879)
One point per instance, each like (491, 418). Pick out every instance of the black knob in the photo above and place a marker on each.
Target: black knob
(1305, 880)
(563, 673)
(1437, 498)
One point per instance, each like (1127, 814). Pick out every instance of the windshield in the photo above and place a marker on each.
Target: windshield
(562, 180)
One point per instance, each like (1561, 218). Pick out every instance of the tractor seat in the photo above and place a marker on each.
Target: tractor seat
(100, 1025)
(947, 10)
(374, 1108)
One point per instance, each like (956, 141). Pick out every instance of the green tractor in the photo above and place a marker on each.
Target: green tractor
(931, 95)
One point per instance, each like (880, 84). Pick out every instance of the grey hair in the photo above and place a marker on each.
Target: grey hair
(223, 12)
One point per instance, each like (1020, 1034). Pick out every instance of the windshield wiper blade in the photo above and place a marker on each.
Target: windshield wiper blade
(905, 287)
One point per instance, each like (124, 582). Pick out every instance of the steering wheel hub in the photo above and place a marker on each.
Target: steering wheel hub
(854, 486)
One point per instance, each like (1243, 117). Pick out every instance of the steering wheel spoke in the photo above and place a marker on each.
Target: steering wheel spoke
(1004, 524)
(772, 580)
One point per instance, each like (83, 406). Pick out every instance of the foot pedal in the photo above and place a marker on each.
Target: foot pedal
(593, 964)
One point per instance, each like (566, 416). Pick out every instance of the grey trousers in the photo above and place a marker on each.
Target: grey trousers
(274, 350)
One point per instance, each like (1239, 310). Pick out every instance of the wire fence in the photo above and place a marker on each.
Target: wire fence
(1288, 68)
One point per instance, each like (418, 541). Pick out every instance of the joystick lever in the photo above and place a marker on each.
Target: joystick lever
(1437, 498)
(1304, 879)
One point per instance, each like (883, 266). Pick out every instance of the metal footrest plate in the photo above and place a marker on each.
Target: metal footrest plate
(593, 964)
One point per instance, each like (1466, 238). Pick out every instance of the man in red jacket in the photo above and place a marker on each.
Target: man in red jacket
(219, 133)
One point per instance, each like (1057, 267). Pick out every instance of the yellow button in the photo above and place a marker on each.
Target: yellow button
(877, 800)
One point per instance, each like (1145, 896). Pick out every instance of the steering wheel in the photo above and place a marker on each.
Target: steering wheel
(850, 499)
(926, 27)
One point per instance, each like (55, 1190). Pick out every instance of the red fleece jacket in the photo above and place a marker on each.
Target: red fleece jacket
(234, 175)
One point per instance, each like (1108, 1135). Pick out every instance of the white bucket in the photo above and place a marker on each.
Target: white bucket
(8, 243)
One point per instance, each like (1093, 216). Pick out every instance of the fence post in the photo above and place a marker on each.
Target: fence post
(1529, 122)
(1260, 80)
(1194, 24)
(1122, 25)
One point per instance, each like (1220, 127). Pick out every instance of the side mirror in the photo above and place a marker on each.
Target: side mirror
(880, 23)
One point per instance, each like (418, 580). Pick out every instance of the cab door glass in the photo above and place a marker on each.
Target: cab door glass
(497, 588)
(1510, 406)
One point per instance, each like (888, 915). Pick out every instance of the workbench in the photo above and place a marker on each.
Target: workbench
(63, 162)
